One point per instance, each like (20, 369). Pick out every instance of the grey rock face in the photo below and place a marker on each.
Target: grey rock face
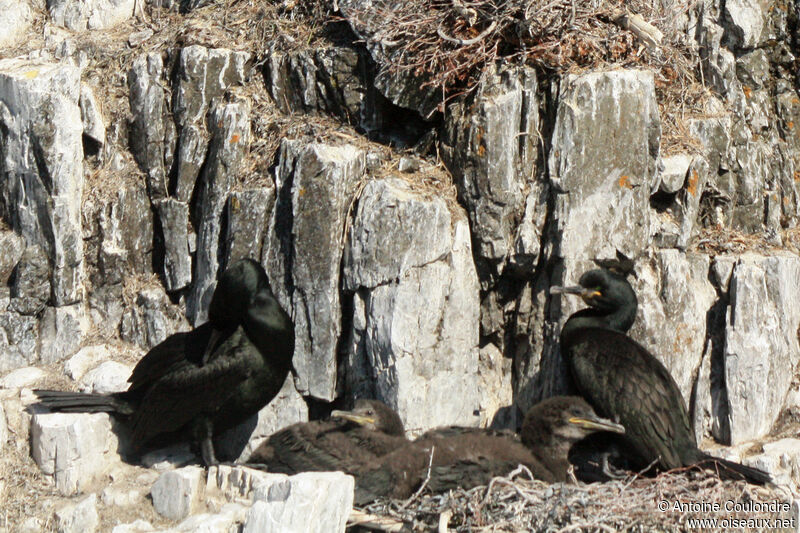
(230, 132)
(13, 247)
(394, 231)
(603, 201)
(327, 80)
(176, 492)
(79, 517)
(602, 206)
(247, 214)
(19, 337)
(174, 218)
(311, 501)
(745, 20)
(674, 296)
(490, 145)
(126, 226)
(61, 332)
(315, 185)
(42, 167)
(30, 282)
(203, 75)
(676, 222)
(761, 341)
(91, 14)
(106, 378)
(402, 87)
(17, 18)
(76, 448)
(415, 317)
(21, 377)
(91, 116)
(152, 126)
(151, 319)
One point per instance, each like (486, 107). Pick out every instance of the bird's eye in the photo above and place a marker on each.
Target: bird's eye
(370, 412)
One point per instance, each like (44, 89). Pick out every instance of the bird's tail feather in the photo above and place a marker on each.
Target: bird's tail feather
(736, 471)
(78, 402)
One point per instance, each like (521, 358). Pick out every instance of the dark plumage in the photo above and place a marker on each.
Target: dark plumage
(467, 457)
(206, 380)
(623, 381)
(344, 442)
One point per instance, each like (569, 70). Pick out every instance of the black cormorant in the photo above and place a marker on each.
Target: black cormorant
(623, 381)
(206, 380)
(345, 441)
(468, 457)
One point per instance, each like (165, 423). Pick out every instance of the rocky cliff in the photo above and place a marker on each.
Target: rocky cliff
(413, 178)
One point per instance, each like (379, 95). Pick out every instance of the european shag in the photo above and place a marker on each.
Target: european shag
(468, 457)
(345, 441)
(206, 380)
(623, 381)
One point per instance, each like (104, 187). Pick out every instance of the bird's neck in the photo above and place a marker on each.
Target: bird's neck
(620, 319)
(552, 452)
(271, 331)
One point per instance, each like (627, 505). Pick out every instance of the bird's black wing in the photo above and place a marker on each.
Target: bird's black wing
(625, 382)
(186, 390)
(178, 351)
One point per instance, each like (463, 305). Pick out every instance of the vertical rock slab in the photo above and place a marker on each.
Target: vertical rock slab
(203, 75)
(328, 80)
(90, 14)
(415, 320)
(247, 215)
(761, 342)
(152, 126)
(603, 163)
(41, 164)
(315, 187)
(126, 225)
(490, 144)
(230, 131)
(173, 216)
(675, 295)
(62, 331)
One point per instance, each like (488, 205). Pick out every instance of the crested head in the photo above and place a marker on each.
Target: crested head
(611, 300)
(235, 291)
(608, 290)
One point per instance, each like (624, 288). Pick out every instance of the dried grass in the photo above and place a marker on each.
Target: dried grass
(515, 503)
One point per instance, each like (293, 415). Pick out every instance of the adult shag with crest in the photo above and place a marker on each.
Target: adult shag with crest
(345, 441)
(201, 382)
(625, 382)
(467, 457)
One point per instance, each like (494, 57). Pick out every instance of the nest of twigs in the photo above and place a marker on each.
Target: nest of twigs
(516, 503)
(448, 44)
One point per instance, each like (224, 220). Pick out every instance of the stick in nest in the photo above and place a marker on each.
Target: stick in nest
(424, 483)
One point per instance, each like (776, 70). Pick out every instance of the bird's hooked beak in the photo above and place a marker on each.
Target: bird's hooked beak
(595, 423)
(216, 334)
(353, 417)
(586, 294)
